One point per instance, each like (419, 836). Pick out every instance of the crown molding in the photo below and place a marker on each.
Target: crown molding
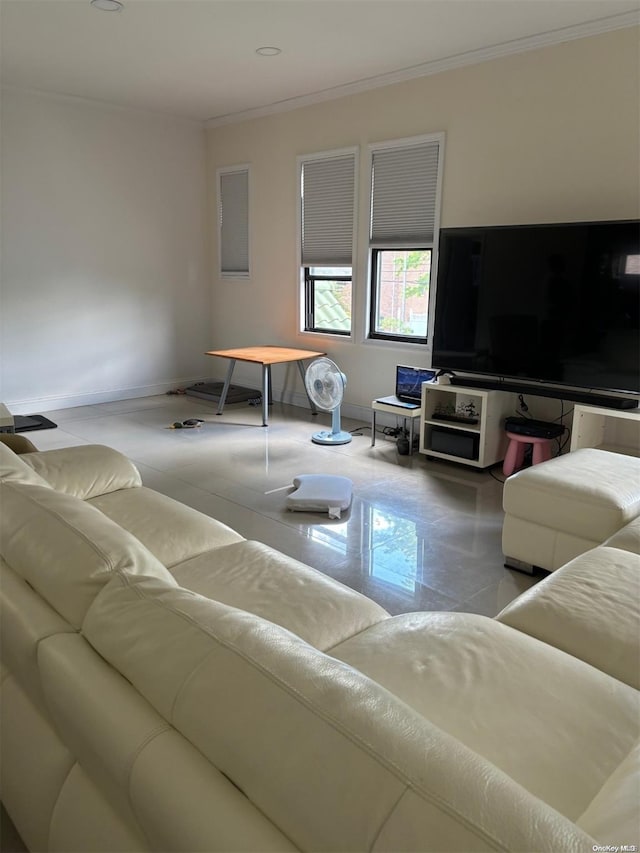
(460, 60)
(100, 103)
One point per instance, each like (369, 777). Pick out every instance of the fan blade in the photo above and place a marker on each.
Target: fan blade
(325, 384)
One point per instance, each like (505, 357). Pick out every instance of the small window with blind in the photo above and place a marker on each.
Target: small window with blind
(405, 208)
(233, 221)
(327, 206)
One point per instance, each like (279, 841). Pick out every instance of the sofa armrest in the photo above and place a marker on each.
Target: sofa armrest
(17, 443)
(85, 471)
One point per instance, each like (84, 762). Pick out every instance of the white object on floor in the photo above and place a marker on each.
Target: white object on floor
(320, 493)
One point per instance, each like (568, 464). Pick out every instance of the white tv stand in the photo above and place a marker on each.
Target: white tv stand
(482, 444)
(608, 429)
(616, 430)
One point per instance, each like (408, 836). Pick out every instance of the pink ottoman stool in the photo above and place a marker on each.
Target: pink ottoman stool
(514, 456)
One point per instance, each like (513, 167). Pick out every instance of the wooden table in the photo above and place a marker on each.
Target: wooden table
(266, 356)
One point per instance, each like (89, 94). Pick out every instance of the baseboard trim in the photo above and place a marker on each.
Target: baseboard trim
(295, 398)
(70, 401)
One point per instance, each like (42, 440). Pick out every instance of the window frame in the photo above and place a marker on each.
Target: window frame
(309, 303)
(374, 283)
(305, 291)
(409, 245)
(241, 275)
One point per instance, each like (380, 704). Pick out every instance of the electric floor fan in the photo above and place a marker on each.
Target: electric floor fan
(325, 384)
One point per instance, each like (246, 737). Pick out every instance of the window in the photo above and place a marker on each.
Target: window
(400, 293)
(405, 195)
(327, 204)
(327, 300)
(233, 222)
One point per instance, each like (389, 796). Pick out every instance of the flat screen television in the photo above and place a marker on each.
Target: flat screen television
(555, 305)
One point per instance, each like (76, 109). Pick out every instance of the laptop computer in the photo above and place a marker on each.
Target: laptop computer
(409, 381)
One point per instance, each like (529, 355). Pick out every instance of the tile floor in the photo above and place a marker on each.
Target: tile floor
(420, 534)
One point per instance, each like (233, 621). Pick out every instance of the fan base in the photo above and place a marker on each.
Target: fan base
(326, 437)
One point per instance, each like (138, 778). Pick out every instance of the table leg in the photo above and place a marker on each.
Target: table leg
(225, 387)
(266, 390)
(270, 385)
(373, 427)
(301, 368)
(411, 436)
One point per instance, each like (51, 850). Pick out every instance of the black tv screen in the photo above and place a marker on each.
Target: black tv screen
(547, 303)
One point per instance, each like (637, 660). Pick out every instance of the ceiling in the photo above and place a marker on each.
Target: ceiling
(197, 59)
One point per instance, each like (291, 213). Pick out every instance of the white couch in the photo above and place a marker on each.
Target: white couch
(568, 505)
(168, 685)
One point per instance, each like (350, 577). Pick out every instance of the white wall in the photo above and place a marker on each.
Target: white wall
(106, 290)
(105, 280)
(548, 135)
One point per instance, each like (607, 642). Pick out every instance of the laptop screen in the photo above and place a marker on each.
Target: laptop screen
(409, 382)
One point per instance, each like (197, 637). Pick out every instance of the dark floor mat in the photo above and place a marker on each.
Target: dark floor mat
(26, 423)
(213, 391)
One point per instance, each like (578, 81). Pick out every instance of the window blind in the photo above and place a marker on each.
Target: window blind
(328, 186)
(234, 222)
(404, 186)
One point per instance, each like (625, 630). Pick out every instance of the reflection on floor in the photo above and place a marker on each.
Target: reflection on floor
(420, 535)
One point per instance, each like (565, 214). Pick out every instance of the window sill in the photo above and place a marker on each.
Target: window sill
(406, 346)
(303, 333)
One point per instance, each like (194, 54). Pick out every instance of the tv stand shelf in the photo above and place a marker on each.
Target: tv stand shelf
(444, 434)
(606, 429)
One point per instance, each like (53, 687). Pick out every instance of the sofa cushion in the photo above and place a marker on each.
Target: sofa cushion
(590, 608)
(627, 538)
(83, 814)
(17, 442)
(35, 763)
(333, 759)
(512, 699)
(65, 548)
(613, 813)
(14, 468)
(588, 493)
(257, 578)
(169, 529)
(85, 470)
(105, 725)
(25, 620)
(152, 775)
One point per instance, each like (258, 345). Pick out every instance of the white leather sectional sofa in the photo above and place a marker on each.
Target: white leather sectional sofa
(169, 686)
(557, 511)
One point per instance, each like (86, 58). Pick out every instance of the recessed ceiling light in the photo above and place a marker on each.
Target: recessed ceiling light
(108, 5)
(268, 51)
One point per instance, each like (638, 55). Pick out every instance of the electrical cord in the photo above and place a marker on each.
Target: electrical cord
(567, 430)
(564, 443)
(522, 409)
